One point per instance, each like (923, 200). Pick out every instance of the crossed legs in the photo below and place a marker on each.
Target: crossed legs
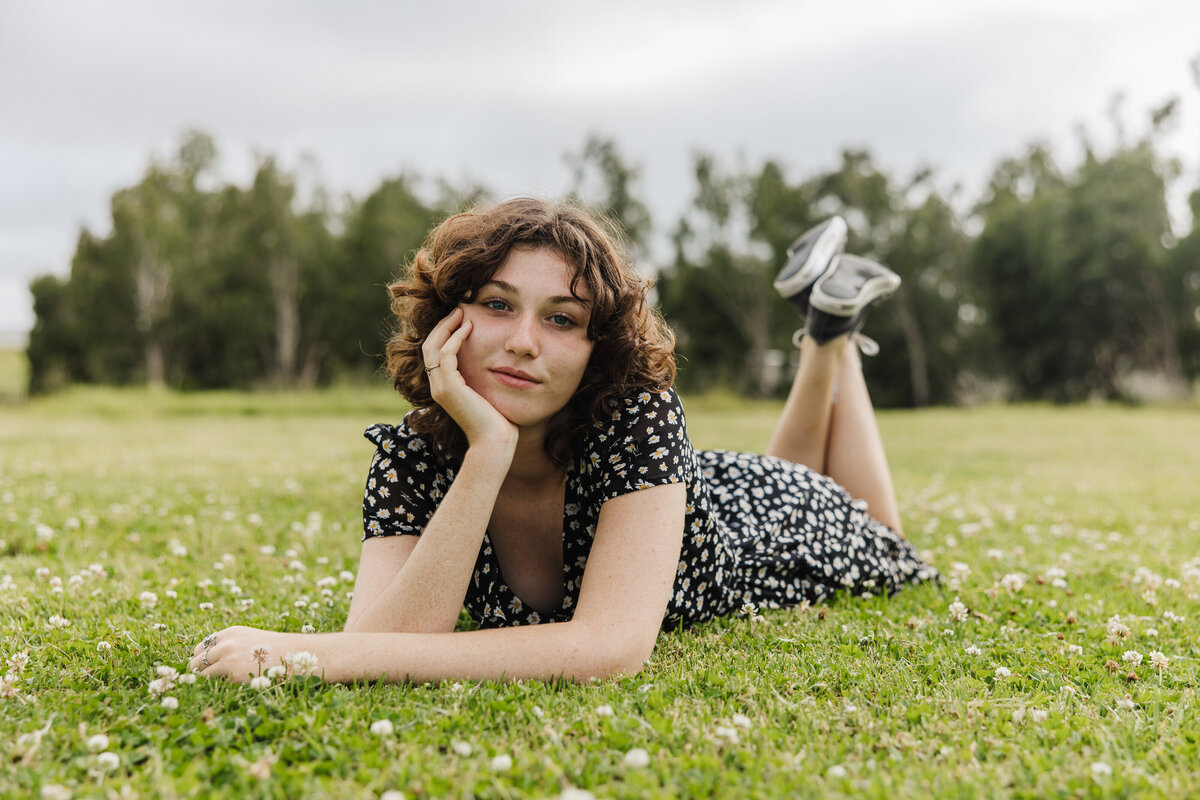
(828, 425)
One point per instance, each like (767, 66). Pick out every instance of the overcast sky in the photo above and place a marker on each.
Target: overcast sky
(497, 92)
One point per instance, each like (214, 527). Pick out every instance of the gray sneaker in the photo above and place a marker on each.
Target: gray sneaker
(809, 258)
(840, 298)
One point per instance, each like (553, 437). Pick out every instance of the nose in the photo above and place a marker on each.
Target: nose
(522, 336)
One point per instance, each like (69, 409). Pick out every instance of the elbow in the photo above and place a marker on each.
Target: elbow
(604, 656)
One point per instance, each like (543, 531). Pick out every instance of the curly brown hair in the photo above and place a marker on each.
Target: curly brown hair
(634, 347)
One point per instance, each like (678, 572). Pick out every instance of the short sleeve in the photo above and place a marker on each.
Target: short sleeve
(645, 444)
(404, 485)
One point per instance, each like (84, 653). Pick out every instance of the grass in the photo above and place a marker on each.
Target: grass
(248, 501)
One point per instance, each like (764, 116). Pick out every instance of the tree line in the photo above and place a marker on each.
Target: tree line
(1059, 283)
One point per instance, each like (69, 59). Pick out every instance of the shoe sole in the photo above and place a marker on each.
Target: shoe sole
(828, 244)
(873, 290)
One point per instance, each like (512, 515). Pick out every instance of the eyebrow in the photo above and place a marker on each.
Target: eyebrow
(558, 299)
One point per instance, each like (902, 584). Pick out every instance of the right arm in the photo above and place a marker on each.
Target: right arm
(417, 584)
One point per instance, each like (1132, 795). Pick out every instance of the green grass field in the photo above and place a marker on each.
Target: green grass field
(244, 509)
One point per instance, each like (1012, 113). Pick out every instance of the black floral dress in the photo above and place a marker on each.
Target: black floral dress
(760, 531)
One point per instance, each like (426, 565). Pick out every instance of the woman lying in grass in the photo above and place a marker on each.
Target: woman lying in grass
(545, 478)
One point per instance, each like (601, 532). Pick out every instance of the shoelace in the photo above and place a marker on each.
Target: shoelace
(866, 345)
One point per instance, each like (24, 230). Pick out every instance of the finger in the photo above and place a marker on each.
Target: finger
(448, 355)
(440, 333)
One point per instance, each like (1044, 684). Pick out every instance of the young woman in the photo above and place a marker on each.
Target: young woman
(545, 479)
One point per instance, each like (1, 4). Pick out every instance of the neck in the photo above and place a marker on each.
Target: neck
(530, 464)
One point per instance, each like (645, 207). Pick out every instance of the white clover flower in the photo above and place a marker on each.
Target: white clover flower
(1003, 672)
(103, 646)
(55, 791)
(1126, 704)
(58, 622)
(1172, 617)
(1018, 716)
(637, 758)
(303, 662)
(42, 572)
(206, 606)
(1013, 582)
(1039, 714)
(179, 551)
(158, 686)
(97, 743)
(604, 711)
(837, 771)
(729, 734)
(574, 793)
(972, 650)
(1101, 770)
(187, 678)
(1116, 628)
(742, 721)
(277, 671)
(462, 748)
(1158, 660)
(296, 564)
(1150, 597)
(382, 727)
(1075, 650)
(958, 611)
(108, 761)
(501, 763)
(1132, 657)
(326, 582)
(148, 599)
(171, 703)
(306, 628)
(1152, 633)
(994, 554)
(171, 594)
(164, 671)
(18, 661)
(346, 576)
(260, 682)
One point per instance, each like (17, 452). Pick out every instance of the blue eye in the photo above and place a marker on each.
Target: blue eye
(562, 320)
(495, 305)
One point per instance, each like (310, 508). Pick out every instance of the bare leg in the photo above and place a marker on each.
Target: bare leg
(802, 433)
(856, 458)
(837, 436)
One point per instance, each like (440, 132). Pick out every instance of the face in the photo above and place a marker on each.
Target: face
(528, 348)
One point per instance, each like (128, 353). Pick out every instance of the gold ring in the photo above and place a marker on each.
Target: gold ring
(431, 368)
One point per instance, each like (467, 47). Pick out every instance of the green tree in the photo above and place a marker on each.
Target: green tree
(382, 233)
(603, 180)
(1073, 273)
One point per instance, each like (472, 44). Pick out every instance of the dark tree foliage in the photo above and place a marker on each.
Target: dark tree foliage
(1072, 285)
(1073, 274)
(732, 324)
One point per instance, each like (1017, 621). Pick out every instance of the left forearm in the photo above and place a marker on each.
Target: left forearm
(565, 649)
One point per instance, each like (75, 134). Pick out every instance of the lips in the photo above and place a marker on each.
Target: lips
(516, 378)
